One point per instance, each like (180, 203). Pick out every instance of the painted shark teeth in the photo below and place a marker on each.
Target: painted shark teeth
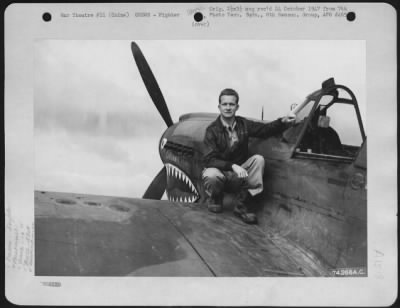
(177, 173)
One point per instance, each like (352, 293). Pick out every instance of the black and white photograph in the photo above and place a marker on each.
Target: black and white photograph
(146, 166)
(200, 154)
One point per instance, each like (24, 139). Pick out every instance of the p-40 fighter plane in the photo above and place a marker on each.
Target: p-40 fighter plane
(312, 214)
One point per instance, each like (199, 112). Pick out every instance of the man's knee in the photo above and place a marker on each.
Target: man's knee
(258, 160)
(213, 174)
(213, 177)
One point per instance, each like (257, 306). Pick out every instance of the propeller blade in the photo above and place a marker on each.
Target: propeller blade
(157, 187)
(151, 84)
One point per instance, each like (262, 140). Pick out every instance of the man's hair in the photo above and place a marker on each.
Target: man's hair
(229, 92)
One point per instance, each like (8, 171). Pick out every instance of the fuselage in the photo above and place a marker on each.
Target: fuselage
(318, 200)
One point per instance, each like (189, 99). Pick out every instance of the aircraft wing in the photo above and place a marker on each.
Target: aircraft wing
(88, 235)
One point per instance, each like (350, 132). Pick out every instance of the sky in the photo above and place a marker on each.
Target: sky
(97, 130)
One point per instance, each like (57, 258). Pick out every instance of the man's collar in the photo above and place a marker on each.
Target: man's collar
(226, 125)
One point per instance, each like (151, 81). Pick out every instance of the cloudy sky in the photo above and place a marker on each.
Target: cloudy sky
(97, 130)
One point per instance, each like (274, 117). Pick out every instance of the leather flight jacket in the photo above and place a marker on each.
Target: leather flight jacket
(219, 154)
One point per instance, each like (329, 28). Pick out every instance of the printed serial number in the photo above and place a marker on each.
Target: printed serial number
(358, 271)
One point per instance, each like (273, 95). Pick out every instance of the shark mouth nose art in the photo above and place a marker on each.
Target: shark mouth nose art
(179, 186)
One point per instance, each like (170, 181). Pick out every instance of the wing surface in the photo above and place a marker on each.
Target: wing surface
(88, 235)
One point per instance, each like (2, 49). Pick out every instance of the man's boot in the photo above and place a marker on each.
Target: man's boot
(214, 200)
(213, 205)
(241, 210)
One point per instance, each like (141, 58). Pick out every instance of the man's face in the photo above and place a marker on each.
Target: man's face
(228, 106)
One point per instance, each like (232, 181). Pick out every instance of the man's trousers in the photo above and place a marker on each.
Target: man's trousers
(216, 182)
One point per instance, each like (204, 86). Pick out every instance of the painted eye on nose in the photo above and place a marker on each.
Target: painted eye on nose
(163, 143)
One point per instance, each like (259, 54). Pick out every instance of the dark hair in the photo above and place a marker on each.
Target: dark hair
(229, 92)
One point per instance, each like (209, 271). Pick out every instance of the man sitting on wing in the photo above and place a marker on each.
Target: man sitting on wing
(227, 165)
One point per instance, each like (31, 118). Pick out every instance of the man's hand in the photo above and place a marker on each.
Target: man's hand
(241, 172)
(289, 119)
